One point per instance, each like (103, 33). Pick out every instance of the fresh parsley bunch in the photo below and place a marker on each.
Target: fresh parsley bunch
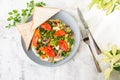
(17, 17)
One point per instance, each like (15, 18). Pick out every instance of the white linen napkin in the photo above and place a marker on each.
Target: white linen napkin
(105, 28)
(106, 32)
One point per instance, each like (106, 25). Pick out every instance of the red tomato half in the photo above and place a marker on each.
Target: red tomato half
(60, 33)
(35, 40)
(46, 26)
(36, 36)
(63, 45)
(49, 51)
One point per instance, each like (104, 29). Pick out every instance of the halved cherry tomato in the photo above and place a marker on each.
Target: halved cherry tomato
(36, 36)
(60, 33)
(49, 51)
(46, 26)
(63, 45)
(35, 40)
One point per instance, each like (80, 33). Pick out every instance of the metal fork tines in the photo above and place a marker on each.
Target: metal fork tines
(87, 41)
(98, 50)
(87, 38)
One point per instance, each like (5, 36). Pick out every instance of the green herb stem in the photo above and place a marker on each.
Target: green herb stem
(17, 17)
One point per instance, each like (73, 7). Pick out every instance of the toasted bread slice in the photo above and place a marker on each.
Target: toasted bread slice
(26, 34)
(42, 14)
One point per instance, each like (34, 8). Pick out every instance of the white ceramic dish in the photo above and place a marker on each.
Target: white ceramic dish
(69, 20)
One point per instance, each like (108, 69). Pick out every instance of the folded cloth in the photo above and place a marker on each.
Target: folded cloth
(107, 33)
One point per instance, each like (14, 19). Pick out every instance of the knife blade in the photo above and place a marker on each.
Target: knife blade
(85, 38)
(88, 31)
(82, 19)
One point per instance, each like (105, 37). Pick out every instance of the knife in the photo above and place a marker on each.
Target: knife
(85, 38)
(88, 31)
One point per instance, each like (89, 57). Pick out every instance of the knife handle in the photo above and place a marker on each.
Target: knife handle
(95, 61)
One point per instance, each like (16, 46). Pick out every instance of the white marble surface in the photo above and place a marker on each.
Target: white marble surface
(15, 65)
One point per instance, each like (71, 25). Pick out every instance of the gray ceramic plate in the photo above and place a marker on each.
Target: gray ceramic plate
(69, 20)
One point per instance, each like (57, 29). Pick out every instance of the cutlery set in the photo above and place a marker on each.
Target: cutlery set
(86, 34)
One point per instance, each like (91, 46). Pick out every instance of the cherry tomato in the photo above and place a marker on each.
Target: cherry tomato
(36, 36)
(63, 45)
(60, 33)
(49, 51)
(46, 26)
(35, 40)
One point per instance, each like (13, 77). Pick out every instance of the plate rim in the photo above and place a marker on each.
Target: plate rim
(71, 55)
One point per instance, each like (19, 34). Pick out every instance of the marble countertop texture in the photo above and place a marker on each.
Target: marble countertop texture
(15, 65)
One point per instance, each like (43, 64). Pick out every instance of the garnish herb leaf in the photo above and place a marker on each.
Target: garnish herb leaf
(40, 4)
(17, 17)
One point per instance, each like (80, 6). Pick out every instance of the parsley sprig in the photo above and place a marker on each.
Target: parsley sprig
(17, 17)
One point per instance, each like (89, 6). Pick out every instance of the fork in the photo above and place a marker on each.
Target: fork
(86, 39)
(98, 50)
